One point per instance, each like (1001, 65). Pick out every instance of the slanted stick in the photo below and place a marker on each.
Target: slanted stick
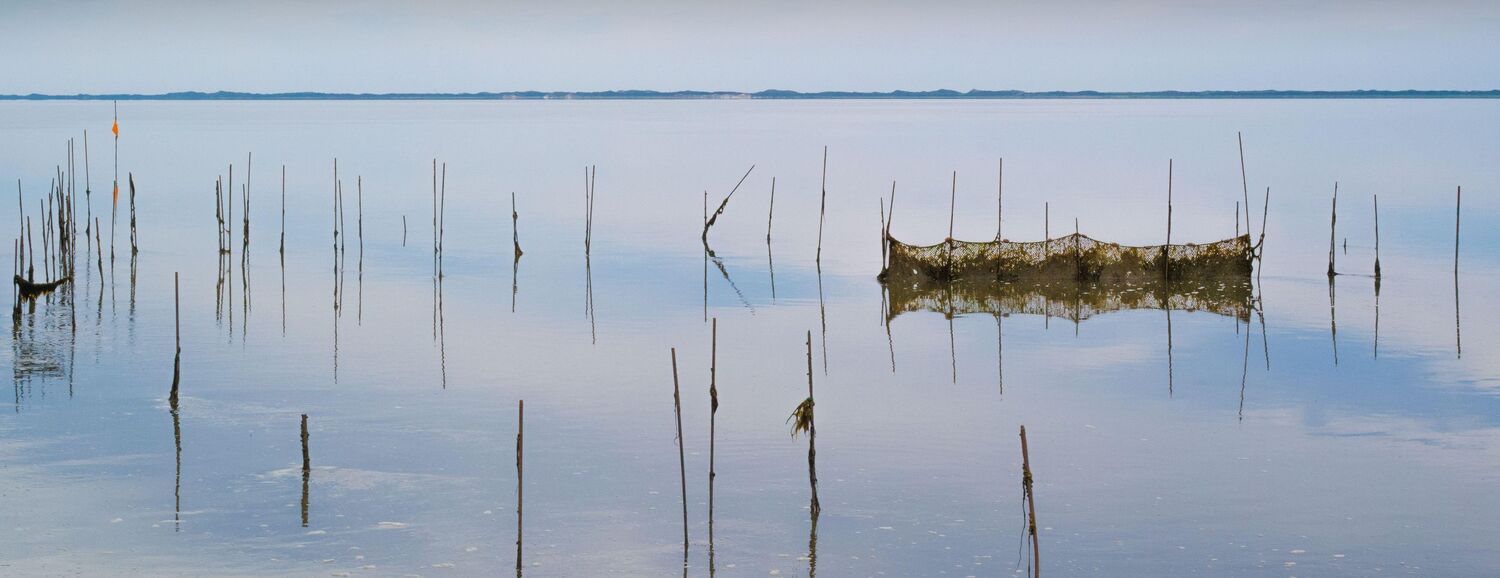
(1244, 185)
(771, 211)
(515, 234)
(883, 259)
(1026, 482)
(359, 202)
(1458, 213)
(1332, 228)
(725, 203)
(1166, 250)
(681, 456)
(822, 204)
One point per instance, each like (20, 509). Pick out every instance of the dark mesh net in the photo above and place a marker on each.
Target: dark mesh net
(1074, 256)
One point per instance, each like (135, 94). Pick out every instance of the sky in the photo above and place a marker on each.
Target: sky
(107, 46)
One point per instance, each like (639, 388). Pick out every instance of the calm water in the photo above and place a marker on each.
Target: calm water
(1304, 439)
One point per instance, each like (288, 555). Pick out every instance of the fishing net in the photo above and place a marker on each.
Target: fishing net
(1074, 256)
(1068, 299)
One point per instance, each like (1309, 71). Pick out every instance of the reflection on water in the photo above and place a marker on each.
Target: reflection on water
(413, 478)
(1071, 300)
(44, 342)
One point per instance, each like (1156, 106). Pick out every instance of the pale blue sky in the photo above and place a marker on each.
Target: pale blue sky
(69, 46)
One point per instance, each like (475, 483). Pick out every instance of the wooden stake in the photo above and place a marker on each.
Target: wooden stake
(1000, 201)
(434, 214)
(1377, 236)
(1458, 212)
(177, 311)
(515, 217)
(1166, 250)
(883, 245)
(715, 217)
(443, 215)
(1332, 227)
(134, 248)
(1265, 212)
(771, 211)
(952, 204)
(1244, 185)
(713, 412)
(306, 470)
(520, 433)
(812, 437)
(282, 249)
(1046, 229)
(245, 233)
(822, 204)
(885, 230)
(88, 193)
(1026, 483)
(681, 456)
(176, 357)
(359, 203)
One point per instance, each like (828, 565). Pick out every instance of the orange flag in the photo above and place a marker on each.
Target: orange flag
(115, 129)
(117, 193)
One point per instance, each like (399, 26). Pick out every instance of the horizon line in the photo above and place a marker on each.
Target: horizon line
(777, 94)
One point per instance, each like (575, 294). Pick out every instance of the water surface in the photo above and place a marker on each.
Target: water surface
(1328, 431)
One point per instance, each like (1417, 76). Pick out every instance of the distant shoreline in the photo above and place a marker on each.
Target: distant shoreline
(794, 95)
